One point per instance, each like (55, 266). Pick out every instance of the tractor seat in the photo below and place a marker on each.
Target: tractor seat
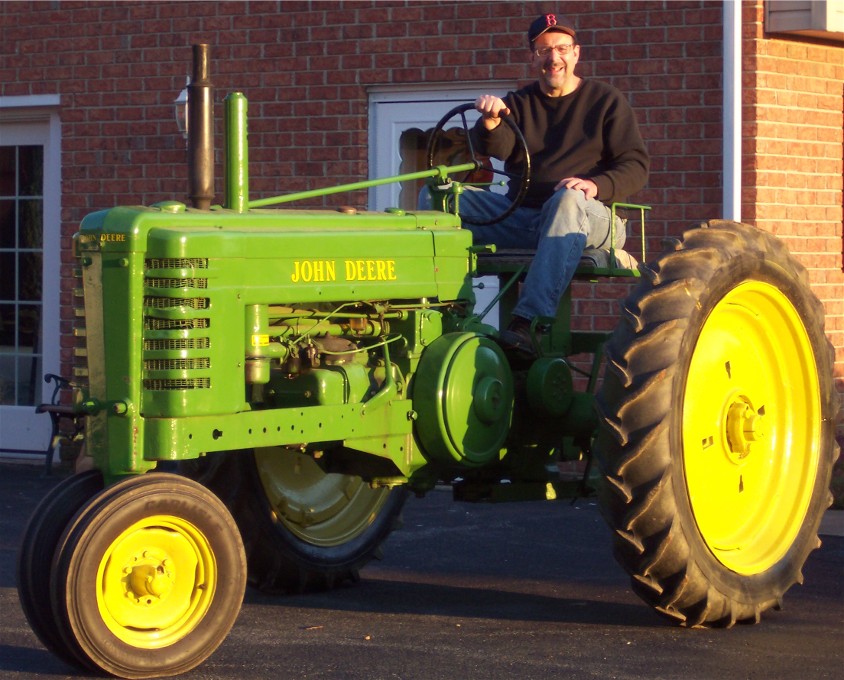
(597, 258)
(593, 262)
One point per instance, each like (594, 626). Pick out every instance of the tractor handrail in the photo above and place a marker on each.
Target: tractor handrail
(628, 206)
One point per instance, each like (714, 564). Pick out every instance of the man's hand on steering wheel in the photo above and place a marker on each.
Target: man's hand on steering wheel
(491, 109)
(520, 177)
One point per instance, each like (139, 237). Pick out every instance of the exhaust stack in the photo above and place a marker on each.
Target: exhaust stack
(200, 131)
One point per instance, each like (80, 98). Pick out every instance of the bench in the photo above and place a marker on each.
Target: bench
(59, 413)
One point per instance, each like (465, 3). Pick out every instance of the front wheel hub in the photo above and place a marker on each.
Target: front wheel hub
(154, 581)
(149, 575)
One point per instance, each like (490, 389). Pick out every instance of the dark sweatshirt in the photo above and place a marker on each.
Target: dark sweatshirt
(590, 133)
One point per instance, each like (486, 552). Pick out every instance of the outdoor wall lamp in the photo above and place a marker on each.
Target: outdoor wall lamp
(180, 105)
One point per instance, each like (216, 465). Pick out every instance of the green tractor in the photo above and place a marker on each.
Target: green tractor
(305, 369)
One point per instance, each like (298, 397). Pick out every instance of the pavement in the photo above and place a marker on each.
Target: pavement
(520, 591)
(832, 523)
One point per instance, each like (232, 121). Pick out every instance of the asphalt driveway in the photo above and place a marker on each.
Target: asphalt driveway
(514, 591)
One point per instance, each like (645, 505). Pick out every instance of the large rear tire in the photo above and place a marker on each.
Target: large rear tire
(717, 427)
(303, 529)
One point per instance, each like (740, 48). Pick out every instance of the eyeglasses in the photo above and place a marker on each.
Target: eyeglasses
(559, 49)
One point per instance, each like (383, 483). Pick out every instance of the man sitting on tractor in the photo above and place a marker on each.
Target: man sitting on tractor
(586, 152)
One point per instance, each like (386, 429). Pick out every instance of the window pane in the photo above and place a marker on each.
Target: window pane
(7, 380)
(31, 223)
(29, 368)
(7, 171)
(7, 223)
(7, 328)
(21, 264)
(7, 276)
(29, 323)
(30, 276)
(31, 170)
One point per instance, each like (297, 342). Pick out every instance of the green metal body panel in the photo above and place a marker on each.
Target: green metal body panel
(178, 288)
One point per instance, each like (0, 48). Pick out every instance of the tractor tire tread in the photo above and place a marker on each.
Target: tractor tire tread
(637, 496)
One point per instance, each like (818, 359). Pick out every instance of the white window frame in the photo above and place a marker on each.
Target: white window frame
(813, 18)
(394, 110)
(35, 120)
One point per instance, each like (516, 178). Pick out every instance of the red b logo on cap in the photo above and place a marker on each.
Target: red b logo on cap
(550, 20)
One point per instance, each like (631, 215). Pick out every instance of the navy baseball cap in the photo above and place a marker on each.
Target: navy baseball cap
(550, 22)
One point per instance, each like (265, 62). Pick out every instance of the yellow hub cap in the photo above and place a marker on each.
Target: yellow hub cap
(751, 427)
(156, 582)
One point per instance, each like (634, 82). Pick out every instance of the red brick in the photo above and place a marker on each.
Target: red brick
(666, 56)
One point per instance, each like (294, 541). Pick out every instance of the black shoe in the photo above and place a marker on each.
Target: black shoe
(517, 338)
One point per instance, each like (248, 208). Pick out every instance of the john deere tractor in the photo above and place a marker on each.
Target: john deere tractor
(265, 385)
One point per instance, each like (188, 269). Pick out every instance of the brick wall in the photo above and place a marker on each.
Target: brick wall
(794, 156)
(306, 66)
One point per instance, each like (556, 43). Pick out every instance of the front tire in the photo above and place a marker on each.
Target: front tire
(35, 556)
(717, 427)
(149, 577)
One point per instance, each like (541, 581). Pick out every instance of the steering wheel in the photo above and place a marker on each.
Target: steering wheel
(522, 178)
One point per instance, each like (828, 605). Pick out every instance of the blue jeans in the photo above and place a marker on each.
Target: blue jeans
(560, 230)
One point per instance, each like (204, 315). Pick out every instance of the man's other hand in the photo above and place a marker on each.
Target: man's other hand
(587, 186)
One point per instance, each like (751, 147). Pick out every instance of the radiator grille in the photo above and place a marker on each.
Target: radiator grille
(189, 341)
(152, 282)
(169, 303)
(163, 384)
(163, 345)
(176, 263)
(177, 364)
(156, 324)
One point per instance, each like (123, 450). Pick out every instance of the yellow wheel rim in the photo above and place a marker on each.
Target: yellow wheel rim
(325, 510)
(751, 427)
(156, 582)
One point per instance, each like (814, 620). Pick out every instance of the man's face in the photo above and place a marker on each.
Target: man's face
(555, 71)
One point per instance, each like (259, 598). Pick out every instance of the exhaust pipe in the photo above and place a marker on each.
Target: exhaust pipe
(200, 131)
